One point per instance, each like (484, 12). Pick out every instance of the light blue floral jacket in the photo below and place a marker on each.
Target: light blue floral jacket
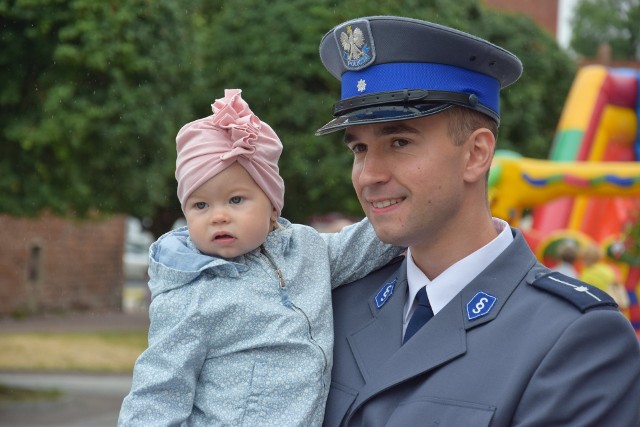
(246, 341)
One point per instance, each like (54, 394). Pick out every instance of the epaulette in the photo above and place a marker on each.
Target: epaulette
(582, 295)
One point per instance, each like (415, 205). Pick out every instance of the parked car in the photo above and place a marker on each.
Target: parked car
(136, 261)
(135, 295)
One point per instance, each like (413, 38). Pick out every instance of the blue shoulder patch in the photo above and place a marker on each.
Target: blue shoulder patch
(578, 293)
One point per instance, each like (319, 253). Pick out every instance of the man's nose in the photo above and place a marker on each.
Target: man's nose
(374, 170)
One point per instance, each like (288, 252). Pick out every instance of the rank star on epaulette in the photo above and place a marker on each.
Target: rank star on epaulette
(578, 293)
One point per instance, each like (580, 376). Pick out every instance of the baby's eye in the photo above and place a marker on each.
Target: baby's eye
(200, 205)
(235, 200)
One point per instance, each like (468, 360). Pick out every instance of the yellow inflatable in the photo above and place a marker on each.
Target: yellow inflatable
(589, 189)
(522, 183)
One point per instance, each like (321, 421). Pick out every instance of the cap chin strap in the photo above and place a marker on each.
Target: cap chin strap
(405, 96)
(410, 97)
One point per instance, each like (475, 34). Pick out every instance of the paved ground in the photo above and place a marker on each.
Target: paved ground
(88, 400)
(89, 321)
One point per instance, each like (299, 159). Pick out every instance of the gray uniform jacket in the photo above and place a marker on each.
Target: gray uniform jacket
(551, 351)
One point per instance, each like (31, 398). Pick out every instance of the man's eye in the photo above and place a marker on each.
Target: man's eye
(200, 205)
(235, 200)
(358, 148)
(400, 142)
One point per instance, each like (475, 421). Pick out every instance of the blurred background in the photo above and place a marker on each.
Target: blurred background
(93, 94)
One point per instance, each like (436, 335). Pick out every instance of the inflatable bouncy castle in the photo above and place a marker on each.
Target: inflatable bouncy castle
(589, 189)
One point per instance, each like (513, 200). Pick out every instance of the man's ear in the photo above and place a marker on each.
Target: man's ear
(481, 145)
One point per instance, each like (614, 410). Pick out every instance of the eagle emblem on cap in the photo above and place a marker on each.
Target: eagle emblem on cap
(356, 50)
(352, 41)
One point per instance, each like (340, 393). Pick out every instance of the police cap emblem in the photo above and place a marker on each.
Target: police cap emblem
(355, 42)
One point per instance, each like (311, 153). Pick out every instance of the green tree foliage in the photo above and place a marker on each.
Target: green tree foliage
(93, 94)
(98, 90)
(530, 108)
(270, 50)
(612, 22)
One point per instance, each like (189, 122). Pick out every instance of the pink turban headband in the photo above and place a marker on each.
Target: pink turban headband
(233, 133)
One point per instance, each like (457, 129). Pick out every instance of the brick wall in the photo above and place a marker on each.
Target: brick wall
(52, 264)
(543, 12)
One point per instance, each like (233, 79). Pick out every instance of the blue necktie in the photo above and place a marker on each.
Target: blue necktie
(421, 315)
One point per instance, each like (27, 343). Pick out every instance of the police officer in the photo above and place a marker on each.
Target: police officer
(468, 329)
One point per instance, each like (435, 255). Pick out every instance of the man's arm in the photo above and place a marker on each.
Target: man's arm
(590, 377)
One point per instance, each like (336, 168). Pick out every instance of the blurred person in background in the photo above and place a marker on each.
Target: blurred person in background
(597, 272)
(568, 255)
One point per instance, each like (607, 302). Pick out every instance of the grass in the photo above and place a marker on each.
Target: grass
(94, 352)
(17, 394)
(90, 352)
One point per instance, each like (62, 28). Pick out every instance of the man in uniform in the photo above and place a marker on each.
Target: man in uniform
(468, 329)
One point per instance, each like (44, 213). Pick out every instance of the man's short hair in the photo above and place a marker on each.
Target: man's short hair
(464, 121)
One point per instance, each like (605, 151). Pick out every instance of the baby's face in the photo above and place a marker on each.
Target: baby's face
(229, 215)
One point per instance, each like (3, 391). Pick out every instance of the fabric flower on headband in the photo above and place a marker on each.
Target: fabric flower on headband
(232, 134)
(241, 124)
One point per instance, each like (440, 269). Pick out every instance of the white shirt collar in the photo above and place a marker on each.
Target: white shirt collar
(447, 285)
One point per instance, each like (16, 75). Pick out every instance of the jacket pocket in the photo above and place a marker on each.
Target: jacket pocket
(338, 403)
(441, 412)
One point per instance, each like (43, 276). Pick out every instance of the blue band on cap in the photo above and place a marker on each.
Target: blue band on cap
(418, 75)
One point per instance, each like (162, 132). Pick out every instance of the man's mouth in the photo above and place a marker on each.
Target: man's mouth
(384, 203)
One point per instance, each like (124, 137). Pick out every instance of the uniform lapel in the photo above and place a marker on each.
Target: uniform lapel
(377, 340)
(377, 345)
(443, 338)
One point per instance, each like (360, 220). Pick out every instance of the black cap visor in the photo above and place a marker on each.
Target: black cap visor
(383, 113)
(389, 107)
